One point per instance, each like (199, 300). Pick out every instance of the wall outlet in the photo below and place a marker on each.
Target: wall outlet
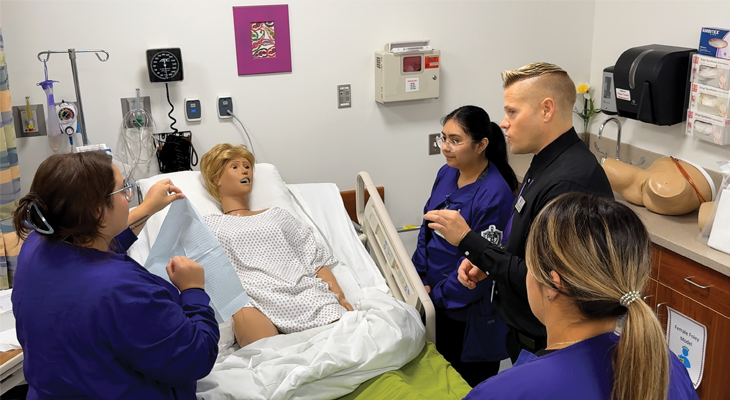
(344, 99)
(20, 119)
(433, 147)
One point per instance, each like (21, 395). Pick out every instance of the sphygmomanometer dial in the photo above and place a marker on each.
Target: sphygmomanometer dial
(165, 65)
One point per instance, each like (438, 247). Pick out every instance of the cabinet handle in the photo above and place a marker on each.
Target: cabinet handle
(646, 297)
(689, 279)
(656, 309)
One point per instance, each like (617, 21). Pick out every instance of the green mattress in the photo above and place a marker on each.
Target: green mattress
(428, 376)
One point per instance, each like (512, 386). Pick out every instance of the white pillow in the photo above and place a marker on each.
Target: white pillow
(269, 190)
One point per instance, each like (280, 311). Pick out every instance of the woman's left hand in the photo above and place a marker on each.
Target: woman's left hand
(160, 195)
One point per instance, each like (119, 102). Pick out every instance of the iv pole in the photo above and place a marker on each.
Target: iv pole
(72, 57)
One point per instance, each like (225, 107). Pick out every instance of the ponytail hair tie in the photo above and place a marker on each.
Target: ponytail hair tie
(629, 298)
(48, 231)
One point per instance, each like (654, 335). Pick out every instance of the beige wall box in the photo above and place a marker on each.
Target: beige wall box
(407, 70)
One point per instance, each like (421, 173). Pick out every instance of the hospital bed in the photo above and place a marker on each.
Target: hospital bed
(380, 348)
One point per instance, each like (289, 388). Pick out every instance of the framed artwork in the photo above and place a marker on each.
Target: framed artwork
(262, 39)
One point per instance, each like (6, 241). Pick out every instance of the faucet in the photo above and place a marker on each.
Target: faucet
(618, 142)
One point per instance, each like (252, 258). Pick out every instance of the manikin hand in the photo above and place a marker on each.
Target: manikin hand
(449, 223)
(470, 274)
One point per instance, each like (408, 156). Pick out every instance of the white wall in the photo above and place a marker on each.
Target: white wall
(293, 117)
(620, 25)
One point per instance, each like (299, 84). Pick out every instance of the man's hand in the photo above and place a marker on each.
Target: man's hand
(449, 223)
(470, 274)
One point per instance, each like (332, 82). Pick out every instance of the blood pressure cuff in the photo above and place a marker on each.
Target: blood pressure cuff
(176, 152)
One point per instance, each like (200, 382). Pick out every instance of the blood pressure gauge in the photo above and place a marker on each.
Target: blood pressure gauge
(165, 65)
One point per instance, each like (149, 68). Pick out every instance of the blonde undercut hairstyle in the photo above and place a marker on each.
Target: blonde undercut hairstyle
(213, 162)
(551, 81)
(601, 251)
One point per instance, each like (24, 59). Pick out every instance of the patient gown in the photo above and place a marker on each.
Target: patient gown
(277, 260)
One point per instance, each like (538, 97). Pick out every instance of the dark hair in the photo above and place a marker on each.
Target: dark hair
(71, 191)
(475, 122)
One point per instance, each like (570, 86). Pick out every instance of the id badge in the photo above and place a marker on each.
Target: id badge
(520, 203)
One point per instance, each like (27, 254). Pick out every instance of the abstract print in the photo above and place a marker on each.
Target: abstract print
(263, 43)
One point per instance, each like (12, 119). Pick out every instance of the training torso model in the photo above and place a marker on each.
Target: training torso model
(668, 186)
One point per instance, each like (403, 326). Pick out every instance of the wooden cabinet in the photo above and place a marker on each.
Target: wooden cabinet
(704, 297)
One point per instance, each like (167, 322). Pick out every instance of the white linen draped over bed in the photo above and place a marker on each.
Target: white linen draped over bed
(331, 361)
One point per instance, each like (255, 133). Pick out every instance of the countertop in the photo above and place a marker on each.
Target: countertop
(675, 233)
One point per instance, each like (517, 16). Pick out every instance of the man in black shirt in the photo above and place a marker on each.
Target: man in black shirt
(538, 105)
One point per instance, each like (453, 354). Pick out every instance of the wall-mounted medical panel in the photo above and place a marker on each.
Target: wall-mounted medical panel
(407, 70)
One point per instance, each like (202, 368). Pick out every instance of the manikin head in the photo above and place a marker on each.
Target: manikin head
(228, 171)
(538, 106)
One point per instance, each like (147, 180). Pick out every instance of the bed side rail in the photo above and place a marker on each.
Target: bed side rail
(389, 254)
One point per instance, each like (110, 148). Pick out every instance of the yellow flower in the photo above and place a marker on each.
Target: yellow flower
(582, 88)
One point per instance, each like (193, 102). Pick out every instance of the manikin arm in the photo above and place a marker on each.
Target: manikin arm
(326, 275)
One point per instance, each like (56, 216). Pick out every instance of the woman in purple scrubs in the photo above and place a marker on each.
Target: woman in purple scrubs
(589, 260)
(94, 324)
(478, 181)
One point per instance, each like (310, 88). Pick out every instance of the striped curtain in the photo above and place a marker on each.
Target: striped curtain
(9, 178)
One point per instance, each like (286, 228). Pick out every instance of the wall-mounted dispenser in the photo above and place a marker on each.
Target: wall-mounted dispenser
(652, 83)
(407, 71)
(608, 92)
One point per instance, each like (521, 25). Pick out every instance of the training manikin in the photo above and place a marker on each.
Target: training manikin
(282, 267)
(668, 186)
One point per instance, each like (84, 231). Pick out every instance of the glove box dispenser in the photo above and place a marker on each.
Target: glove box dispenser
(652, 83)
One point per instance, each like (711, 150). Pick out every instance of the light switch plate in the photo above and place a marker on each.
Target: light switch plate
(433, 147)
(344, 100)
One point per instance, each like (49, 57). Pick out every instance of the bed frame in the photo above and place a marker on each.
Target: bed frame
(388, 252)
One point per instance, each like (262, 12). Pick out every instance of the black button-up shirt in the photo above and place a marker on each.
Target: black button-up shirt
(565, 165)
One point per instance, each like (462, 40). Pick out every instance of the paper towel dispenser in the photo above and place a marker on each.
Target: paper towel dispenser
(652, 83)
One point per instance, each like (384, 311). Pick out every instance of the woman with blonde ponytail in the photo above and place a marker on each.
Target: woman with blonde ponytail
(589, 258)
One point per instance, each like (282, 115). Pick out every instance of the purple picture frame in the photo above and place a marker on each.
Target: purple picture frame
(243, 17)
